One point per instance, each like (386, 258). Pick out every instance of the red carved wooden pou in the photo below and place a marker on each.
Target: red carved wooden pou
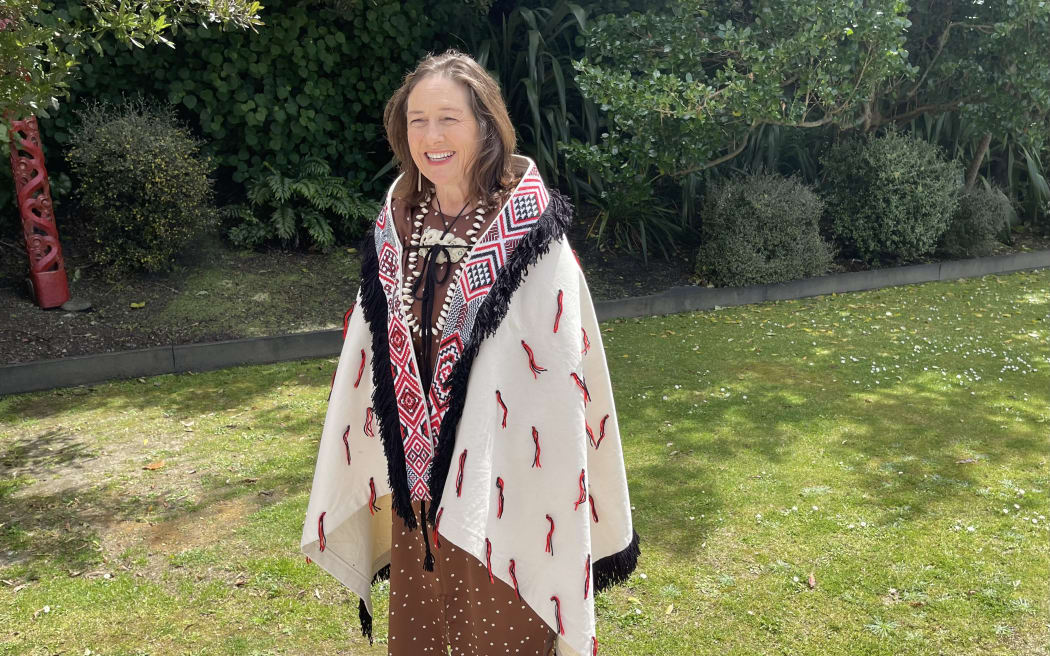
(47, 269)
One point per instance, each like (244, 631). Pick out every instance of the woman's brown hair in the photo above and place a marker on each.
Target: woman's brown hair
(492, 170)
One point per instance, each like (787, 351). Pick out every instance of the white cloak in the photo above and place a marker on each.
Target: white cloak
(520, 415)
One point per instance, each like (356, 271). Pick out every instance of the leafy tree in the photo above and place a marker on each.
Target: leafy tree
(977, 59)
(39, 45)
(688, 88)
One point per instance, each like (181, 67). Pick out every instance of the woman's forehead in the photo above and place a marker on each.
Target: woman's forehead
(437, 93)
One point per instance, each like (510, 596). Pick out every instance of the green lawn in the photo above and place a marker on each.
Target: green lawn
(891, 444)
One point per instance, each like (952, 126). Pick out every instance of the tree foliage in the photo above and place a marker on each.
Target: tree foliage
(311, 82)
(40, 46)
(686, 89)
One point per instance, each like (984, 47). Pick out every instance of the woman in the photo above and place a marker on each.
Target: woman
(487, 425)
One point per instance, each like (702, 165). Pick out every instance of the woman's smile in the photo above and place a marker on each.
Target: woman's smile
(440, 157)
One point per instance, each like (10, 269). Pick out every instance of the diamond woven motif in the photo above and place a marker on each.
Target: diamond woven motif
(409, 396)
(416, 452)
(420, 490)
(389, 263)
(447, 356)
(398, 341)
(418, 466)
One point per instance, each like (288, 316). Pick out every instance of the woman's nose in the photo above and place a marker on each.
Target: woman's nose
(434, 132)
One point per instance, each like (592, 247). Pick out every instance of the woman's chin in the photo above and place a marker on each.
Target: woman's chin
(443, 177)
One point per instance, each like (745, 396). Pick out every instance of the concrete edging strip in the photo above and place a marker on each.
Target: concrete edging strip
(88, 369)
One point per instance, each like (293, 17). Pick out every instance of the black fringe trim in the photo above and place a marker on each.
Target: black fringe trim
(617, 567)
(552, 224)
(384, 399)
(362, 610)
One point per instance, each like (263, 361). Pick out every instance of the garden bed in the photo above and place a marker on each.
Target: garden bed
(219, 293)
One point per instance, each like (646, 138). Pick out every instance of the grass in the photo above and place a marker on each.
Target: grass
(890, 444)
(257, 294)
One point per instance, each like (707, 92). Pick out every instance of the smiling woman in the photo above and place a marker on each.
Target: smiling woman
(485, 423)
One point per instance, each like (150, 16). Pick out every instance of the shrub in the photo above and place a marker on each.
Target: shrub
(311, 81)
(316, 205)
(889, 197)
(143, 187)
(761, 229)
(983, 214)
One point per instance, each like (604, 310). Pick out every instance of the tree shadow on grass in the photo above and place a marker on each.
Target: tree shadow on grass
(86, 493)
(183, 395)
(66, 529)
(49, 448)
(912, 426)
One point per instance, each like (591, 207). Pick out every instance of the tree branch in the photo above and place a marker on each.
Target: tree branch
(724, 158)
(936, 108)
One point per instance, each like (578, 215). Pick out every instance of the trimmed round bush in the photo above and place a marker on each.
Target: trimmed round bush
(143, 186)
(981, 217)
(761, 229)
(889, 197)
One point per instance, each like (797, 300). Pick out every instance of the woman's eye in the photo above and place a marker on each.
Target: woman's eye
(449, 119)
(417, 121)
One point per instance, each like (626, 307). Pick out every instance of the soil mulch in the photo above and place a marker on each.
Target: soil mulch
(218, 293)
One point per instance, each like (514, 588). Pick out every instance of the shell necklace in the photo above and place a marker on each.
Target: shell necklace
(436, 247)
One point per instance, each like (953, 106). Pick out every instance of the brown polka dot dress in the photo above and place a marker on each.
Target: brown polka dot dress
(454, 609)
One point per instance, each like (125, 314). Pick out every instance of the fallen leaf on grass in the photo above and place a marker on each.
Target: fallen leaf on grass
(154, 465)
(139, 305)
(812, 581)
(19, 587)
(966, 461)
(670, 609)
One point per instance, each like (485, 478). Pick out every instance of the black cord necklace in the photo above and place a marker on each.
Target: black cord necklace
(431, 281)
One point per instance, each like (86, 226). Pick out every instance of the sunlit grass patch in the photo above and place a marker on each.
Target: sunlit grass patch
(858, 474)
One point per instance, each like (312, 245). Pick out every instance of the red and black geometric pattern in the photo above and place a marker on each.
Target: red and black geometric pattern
(477, 276)
(411, 409)
(421, 419)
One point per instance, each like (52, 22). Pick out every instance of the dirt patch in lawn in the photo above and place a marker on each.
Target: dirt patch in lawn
(156, 541)
(77, 502)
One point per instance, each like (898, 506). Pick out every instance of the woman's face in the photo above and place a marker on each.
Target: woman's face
(443, 135)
